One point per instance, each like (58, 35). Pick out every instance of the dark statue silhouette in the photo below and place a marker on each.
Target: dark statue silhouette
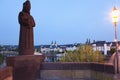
(26, 21)
(26, 66)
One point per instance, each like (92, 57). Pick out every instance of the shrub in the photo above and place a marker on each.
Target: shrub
(84, 53)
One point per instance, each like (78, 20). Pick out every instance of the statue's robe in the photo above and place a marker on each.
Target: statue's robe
(26, 43)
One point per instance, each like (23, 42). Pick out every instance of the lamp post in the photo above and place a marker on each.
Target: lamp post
(115, 18)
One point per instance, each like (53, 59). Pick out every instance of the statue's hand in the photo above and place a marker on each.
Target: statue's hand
(32, 22)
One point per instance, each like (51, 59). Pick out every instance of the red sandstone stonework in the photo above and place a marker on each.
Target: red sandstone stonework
(6, 73)
(25, 67)
(26, 38)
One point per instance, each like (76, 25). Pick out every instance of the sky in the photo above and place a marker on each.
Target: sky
(63, 21)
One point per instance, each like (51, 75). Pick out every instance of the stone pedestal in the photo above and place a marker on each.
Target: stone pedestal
(25, 67)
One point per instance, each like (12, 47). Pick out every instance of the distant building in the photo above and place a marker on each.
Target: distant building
(71, 47)
(54, 52)
(8, 53)
(103, 46)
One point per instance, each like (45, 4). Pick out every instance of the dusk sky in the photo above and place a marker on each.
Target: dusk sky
(63, 21)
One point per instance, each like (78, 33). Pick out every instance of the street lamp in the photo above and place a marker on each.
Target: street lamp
(115, 18)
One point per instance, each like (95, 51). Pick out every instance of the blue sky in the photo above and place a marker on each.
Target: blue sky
(63, 21)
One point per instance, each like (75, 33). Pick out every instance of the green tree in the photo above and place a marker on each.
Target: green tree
(84, 53)
(1, 59)
(112, 50)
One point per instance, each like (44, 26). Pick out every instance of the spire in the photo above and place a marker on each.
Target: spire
(52, 43)
(55, 44)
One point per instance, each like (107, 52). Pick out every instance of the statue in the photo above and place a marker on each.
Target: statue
(26, 21)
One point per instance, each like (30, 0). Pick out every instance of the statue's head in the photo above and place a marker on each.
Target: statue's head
(26, 6)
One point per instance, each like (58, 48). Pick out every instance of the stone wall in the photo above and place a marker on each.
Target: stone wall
(67, 71)
(96, 75)
(65, 74)
(6, 73)
(76, 71)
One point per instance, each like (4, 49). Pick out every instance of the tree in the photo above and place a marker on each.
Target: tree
(1, 59)
(112, 50)
(84, 53)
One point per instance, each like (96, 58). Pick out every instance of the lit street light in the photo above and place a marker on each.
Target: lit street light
(115, 18)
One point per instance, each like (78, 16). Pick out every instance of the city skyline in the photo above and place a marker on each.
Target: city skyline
(63, 21)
